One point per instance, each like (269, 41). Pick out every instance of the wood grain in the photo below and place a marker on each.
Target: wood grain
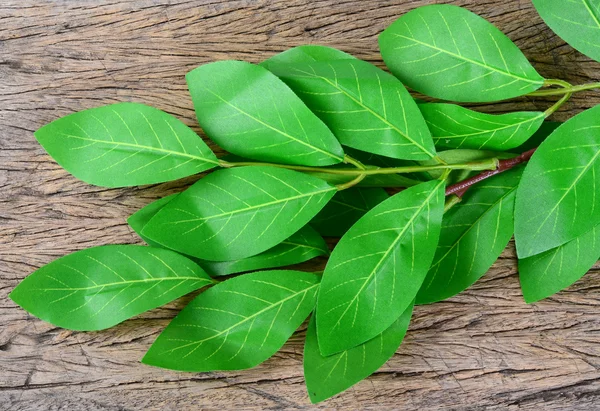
(485, 349)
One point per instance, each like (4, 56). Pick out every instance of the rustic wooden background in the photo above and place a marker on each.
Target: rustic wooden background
(483, 349)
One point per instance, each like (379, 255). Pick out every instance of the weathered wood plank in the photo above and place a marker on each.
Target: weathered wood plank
(483, 349)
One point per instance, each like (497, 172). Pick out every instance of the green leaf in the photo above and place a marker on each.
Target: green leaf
(365, 107)
(453, 126)
(328, 376)
(125, 144)
(549, 272)
(577, 23)
(102, 286)
(250, 112)
(557, 197)
(450, 53)
(236, 324)
(307, 54)
(301, 246)
(538, 137)
(378, 266)
(474, 233)
(238, 212)
(346, 208)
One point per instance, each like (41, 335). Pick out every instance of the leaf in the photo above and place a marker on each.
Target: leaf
(346, 208)
(328, 376)
(538, 137)
(450, 53)
(577, 23)
(378, 266)
(125, 144)
(238, 212)
(557, 197)
(453, 126)
(99, 287)
(250, 112)
(474, 233)
(365, 107)
(236, 324)
(301, 246)
(306, 54)
(551, 271)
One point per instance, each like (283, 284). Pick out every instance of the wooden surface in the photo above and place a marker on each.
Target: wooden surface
(483, 349)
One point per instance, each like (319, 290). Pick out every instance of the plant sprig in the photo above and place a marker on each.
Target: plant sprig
(316, 136)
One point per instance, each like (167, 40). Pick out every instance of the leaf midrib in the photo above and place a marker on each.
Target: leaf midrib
(270, 203)
(149, 148)
(468, 60)
(147, 280)
(374, 113)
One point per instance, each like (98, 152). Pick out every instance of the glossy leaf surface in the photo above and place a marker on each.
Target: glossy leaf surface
(551, 271)
(448, 52)
(99, 287)
(236, 324)
(328, 376)
(378, 266)
(474, 233)
(301, 246)
(251, 113)
(577, 22)
(238, 212)
(365, 107)
(346, 208)
(125, 144)
(307, 54)
(453, 126)
(557, 199)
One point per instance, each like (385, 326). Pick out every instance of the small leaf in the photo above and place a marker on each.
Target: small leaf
(450, 53)
(238, 212)
(125, 144)
(102, 286)
(577, 23)
(346, 208)
(365, 107)
(378, 266)
(551, 271)
(301, 246)
(453, 126)
(251, 113)
(557, 196)
(236, 324)
(307, 54)
(328, 376)
(474, 233)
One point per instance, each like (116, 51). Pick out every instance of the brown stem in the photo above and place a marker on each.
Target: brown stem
(459, 189)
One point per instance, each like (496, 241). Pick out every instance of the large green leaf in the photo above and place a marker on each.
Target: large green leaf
(301, 246)
(365, 107)
(549, 272)
(125, 144)
(239, 212)
(250, 112)
(378, 266)
(346, 208)
(453, 126)
(328, 376)
(101, 286)
(236, 324)
(307, 54)
(450, 53)
(474, 233)
(538, 137)
(557, 198)
(575, 21)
